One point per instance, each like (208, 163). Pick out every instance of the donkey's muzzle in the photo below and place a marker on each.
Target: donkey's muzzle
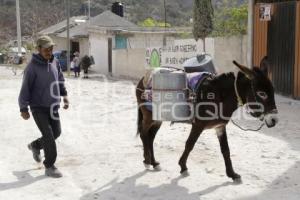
(271, 118)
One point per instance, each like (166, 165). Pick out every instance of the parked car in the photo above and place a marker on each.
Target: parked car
(61, 56)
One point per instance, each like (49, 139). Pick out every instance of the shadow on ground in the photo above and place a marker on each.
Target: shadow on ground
(129, 190)
(24, 179)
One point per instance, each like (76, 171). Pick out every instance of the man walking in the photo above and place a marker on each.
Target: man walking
(42, 88)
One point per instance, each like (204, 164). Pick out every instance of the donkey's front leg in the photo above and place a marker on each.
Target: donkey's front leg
(190, 143)
(222, 136)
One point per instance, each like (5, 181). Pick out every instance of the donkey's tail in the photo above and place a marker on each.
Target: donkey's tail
(139, 121)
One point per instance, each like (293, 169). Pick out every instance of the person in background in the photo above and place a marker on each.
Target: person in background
(42, 89)
(85, 64)
(76, 62)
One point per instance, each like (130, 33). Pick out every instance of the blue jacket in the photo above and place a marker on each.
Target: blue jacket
(43, 84)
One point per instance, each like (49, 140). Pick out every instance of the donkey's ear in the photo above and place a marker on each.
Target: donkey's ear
(248, 72)
(265, 66)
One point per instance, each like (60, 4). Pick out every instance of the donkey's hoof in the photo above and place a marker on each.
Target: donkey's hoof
(236, 178)
(147, 166)
(185, 173)
(157, 168)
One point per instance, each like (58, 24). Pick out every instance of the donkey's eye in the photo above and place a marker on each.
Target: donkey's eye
(262, 95)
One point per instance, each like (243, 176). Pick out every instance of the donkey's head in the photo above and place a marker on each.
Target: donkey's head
(259, 95)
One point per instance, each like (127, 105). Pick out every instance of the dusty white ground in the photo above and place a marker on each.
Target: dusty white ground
(101, 158)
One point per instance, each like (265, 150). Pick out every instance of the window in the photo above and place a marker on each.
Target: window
(121, 42)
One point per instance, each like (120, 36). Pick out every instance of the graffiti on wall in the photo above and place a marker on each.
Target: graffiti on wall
(153, 57)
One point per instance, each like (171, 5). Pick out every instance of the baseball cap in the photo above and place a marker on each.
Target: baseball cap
(44, 41)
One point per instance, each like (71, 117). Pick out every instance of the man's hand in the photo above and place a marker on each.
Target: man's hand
(66, 102)
(25, 115)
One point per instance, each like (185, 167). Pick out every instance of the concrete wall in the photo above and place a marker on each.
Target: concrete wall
(84, 46)
(61, 43)
(129, 63)
(132, 62)
(99, 50)
(146, 40)
(228, 49)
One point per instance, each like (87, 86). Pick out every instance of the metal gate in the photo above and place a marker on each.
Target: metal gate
(281, 46)
(297, 56)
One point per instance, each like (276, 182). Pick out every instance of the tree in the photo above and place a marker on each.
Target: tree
(203, 20)
(149, 22)
(231, 21)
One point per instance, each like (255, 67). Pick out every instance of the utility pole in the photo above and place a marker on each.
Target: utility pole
(68, 36)
(18, 27)
(164, 38)
(89, 11)
(89, 25)
(165, 14)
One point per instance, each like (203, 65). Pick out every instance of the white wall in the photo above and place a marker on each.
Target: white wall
(84, 46)
(99, 47)
(228, 49)
(132, 62)
(99, 50)
(129, 63)
(60, 43)
(146, 40)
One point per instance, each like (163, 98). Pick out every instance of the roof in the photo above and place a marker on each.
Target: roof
(105, 20)
(109, 19)
(77, 31)
(62, 26)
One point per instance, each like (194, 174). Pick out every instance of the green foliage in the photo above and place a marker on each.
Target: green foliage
(185, 35)
(30, 46)
(231, 21)
(203, 19)
(149, 22)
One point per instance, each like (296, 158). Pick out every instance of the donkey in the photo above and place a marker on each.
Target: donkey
(248, 86)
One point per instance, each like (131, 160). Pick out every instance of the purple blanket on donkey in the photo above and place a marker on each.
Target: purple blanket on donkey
(196, 78)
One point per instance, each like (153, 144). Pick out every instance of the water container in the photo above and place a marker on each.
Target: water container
(169, 96)
(118, 9)
(199, 63)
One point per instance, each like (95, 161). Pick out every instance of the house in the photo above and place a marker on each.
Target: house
(276, 34)
(110, 32)
(106, 37)
(58, 33)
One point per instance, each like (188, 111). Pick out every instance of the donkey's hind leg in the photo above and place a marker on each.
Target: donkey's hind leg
(222, 136)
(152, 133)
(145, 137)
(190, 143)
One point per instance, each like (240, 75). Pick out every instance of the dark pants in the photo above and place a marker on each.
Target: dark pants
(50, 129)
(86, 71)
(77, 71)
